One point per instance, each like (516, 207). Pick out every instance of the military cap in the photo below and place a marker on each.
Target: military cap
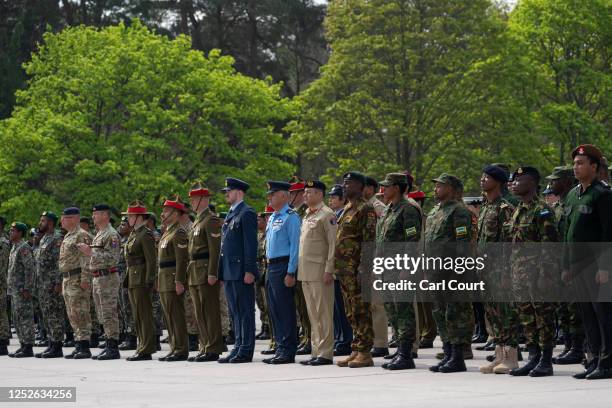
(449, 179)
(371, 182)
(316, 184)
(528, 170)
(71, 211)
(498, 173)
(355, 176)
(20, 226)
(588, 150)
(561, 172)
(50, 215)
(175, 203)
(297, 184)
(101, 207)
(274, 186)
(393, 179)
(416, 195)
(198, 190)
(85, 219)
(267, 210)
(336, 190)
(502, 165)
(235, 184)
(136, 208)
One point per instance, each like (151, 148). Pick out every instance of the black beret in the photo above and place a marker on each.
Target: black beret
(528, 170)
(371, 182)
(497, 173)
(316, 184)
(71, 211)
(356, 176)
(101, 207)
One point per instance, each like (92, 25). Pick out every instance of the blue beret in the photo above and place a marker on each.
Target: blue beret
(235, 184)
(71, 211)
(101, 207)
(497, 173)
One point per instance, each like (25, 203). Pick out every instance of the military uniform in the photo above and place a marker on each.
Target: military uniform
(5, 250)
(21, 271)
(48, 276)
(173, 258)
(190, 316)
(300, 299)
(204, 245)
(126, 317)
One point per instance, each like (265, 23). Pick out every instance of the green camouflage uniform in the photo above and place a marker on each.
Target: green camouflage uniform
(260, 284)
(451, 221)
(533, 222)
(356, 226)
(47, 277)
(21, 277)
(5, 250)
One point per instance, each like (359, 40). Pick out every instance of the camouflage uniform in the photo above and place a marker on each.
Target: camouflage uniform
(401, 222)
(21, 277)
(5, 250)
(356, 226)
(47, 277)
(74, 267)
(106, 247)
(451, 221)
(533, 222)
(380, 322)
(260, 286)
(502, 316)
(126, 318)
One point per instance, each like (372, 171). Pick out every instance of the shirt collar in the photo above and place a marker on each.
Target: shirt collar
(282, 210)
(317, 208)
(233, 206)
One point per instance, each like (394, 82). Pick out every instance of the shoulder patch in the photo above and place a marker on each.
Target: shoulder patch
(461, 231)
(411, 231)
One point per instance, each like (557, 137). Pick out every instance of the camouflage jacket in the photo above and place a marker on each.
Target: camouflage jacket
(47, 261)
(261, 251)
(122, 264)
(561, 219)
(399, 223)
(21, 269)
(106, 247)
(71, 258)
(5, 250)
(449, 222)
(356, 226)
(491, 220)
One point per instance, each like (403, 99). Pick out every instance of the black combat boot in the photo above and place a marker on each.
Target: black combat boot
(112, 350)
(575, 355)
(403, 360)
(130, 343)
(544, 367)
(457, 362)
(103, 352)
(39, 355)
(533, 360)
(25, 351)
(77, 346)
(69, 342)
(447, 348)
(55, 351)
(4, 347)
(591, 366)
(94, 341)
(83, 350)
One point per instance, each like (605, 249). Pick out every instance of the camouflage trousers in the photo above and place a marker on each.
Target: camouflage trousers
(105, 294)
(358, 313)
(158, 314)
(260, 299)
(538, 323)
(570, 322)
(225, 317)
(455, 321)
(504, 321)
(190, 317)
(52, 307)
(23, 318)
(5, 329)
(78, 307)
(126, 316)
(96, 327)
(403, 321)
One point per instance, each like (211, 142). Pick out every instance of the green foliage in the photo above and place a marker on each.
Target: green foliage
(121, 113)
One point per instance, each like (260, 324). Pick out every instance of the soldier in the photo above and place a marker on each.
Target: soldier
(506, 193)
(85, 224)
(76, 284)
(356, 226)
(379, 315)
(589, 220)
(104, 253)
(494, 214)
(316, 269)
(343, 333)
(173, 258)
(533, 221)
(5, 250)
(561, 181)
(238, 269)
(128, 329)
(20, 287)
(400, 222)
(49, 284)
(204, 246)
(450, 222)
(260, 284)
(141, 271)
(186, 222)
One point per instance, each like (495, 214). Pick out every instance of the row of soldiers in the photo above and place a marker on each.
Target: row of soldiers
(306, 266)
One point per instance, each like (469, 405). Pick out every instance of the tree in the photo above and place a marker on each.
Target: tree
(120, 113)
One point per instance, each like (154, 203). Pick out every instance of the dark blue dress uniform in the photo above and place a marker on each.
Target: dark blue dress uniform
(239, 256)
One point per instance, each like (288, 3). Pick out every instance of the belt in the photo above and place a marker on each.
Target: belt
(73, 272)
(280, 259)
(167, 264)
(135, 261)
(201, 255)
(104, 272)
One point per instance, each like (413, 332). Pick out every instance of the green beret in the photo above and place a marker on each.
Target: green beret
(20, 226)
(50, 215)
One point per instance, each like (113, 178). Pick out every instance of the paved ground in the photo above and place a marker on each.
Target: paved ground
(120, 383)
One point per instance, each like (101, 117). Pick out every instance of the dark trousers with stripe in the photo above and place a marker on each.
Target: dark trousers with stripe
(281, 303)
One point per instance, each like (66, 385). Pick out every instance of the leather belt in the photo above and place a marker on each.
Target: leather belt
(201, 255)
(72, 272)
(135, 261)
(280, 259)
(167, 264)
(104, 272)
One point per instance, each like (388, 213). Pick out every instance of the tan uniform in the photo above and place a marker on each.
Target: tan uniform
(172, 261)
(317, 244)
(204, 247)
(380, 322)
